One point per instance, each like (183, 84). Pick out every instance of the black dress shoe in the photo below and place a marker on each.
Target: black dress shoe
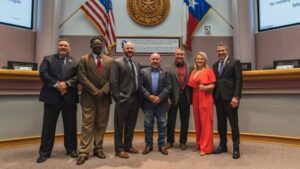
(163, 150)
(99, 154)
(236, 152)
(147, 149)
(221, 149)
(41, 159)
(73, 154)
(81, 160)
(183, 146)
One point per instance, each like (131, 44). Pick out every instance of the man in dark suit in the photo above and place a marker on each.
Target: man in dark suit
(59, 94)
(155, 86)
(180, 98)
(124, 88)
(227, 94)
(93, 74)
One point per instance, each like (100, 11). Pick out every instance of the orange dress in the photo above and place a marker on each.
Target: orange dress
(203, 109)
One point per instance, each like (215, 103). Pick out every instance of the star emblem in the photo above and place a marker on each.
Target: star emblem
(192, 4)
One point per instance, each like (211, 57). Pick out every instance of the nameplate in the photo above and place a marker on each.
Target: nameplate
(284, 66)
(149, 45)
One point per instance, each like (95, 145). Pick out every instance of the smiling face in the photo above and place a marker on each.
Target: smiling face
(200, 61)
(155, 60)
(128, 49)
(63, 48)
(179, 56)
(222, 52)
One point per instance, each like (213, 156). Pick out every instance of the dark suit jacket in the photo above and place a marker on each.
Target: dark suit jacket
(163, 88)
(175, 92)
(121, 79)
(229, 84)
(91, 81)
(50, 73)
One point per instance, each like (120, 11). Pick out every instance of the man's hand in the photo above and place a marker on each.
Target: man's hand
(62, 87)
(100, 93)
(234, 102)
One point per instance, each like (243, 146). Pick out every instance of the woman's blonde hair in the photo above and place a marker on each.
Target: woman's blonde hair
(202, 54)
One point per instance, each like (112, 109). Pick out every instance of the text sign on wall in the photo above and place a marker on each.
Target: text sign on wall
(150, 45)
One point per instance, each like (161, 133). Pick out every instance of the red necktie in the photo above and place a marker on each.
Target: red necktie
(99, 65)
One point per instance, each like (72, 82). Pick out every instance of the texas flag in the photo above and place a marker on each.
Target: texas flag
(197, 11)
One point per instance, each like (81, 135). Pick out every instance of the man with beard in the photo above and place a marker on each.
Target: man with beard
(93, 74)
(59, 94)
(155, 86)
(124, 88)
(180, 99)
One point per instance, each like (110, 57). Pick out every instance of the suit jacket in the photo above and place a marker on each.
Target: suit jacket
(91, 81)
(175, 92)
(122, 80)
(50, 72)
(163, 88)
(230, 83)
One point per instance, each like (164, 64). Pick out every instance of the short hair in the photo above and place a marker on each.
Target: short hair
(97, 37)
(63, 39)
(203, 54)
(221, 44)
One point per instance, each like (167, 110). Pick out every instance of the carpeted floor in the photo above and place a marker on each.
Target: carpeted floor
(253, 156)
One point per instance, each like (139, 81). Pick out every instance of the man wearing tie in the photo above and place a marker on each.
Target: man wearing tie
(227, 94)
(155, 86)
(93, 74)
(59, 94)
(124, 87)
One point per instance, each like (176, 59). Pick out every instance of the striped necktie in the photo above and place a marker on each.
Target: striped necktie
(221, 68)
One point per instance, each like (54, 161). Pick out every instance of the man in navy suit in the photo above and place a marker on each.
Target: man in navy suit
(155, 86)
(59, 94)
(227, 94)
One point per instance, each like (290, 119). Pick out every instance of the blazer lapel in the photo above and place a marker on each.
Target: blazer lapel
(174, 71)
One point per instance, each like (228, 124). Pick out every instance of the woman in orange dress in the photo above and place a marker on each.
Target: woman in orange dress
(202, 81)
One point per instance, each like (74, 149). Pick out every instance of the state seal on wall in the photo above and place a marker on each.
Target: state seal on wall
(148, 12)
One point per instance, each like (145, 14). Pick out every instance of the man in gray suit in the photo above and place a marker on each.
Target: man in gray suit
(93, 74)
(155, 86)
(124, 87)
(180, 99)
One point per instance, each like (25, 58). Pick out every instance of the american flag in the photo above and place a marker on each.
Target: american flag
(197, 10)
(101, 14)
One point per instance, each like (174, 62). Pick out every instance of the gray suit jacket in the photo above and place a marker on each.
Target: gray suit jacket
(175, 92)
(122, 80)
(91, 81)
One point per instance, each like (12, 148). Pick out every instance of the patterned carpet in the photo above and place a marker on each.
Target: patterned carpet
(253, 156)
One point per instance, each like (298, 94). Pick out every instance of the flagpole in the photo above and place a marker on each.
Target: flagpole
(68, 18)
(222, 17)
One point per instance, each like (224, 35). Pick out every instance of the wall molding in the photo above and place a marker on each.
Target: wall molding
(265, 138)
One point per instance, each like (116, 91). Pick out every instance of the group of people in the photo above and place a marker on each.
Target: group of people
(160, 91)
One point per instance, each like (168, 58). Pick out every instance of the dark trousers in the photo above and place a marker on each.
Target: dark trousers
(184, 112)
(125, 120)
(224, 111)
(51, 113)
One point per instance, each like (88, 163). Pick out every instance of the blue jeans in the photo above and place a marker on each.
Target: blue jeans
(158, 112)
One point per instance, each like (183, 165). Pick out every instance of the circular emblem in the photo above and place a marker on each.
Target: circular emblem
(148, 12)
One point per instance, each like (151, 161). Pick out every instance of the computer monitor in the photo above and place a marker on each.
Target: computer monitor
(286, 64)
(16, 65)
(246, 66)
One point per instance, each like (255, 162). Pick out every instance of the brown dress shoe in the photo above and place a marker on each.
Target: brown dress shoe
(132, 150)
(122, 154)
(163, 150)
(169, 145)
(99, 154)
(183, 146)
(81, 160)
(147, 149)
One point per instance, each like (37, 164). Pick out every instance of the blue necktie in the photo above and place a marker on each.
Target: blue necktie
(221, 68)
(62, 61)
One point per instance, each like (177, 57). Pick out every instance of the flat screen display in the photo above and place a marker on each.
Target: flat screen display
(17, 13)
(274, 14)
